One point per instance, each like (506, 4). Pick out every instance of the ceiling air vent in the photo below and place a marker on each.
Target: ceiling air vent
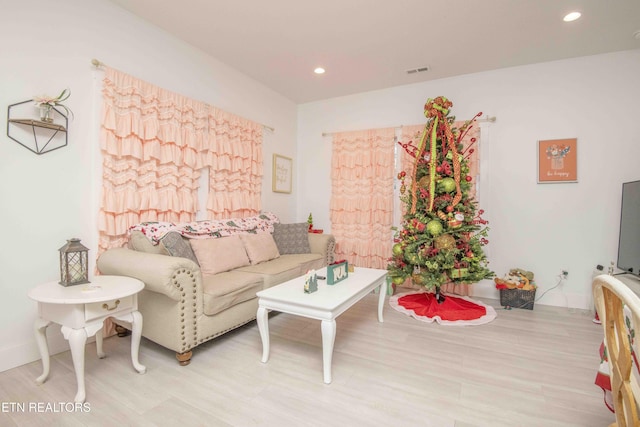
(418, 70)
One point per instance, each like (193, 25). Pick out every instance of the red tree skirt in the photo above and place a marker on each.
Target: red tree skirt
(455, 310)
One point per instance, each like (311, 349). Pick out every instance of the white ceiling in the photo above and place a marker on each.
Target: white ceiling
(369, 44)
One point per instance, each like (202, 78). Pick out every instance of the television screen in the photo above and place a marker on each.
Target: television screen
(629, 242)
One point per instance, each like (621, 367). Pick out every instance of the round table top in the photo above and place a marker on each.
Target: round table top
(101, 288)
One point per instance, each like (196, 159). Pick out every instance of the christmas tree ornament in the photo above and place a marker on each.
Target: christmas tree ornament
(398, 280)
(424, 182)
(417, 279)
(434, 227)
(397, 249)
(454, 223)
(448, 185)
(445, 242)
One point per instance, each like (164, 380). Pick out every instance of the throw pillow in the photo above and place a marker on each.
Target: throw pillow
(177, 245)
(219, 254)
(260, 247)
(292, 238)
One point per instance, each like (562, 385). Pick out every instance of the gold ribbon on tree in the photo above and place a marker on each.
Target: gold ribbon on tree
(456, 163)
(436, 109)
(418, 155)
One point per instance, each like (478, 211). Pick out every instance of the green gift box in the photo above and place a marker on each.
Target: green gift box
(458, 273)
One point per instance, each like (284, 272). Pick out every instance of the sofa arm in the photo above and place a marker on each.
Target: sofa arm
(160, 273)
(323, 244)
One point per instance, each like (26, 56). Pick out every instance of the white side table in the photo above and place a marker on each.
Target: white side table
(81, 310)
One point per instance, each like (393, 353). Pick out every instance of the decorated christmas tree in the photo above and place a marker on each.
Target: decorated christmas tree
(442, 232)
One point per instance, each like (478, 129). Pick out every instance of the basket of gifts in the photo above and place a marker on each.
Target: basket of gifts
(517, 289)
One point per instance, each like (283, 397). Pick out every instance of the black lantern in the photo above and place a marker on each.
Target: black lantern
(74, 263)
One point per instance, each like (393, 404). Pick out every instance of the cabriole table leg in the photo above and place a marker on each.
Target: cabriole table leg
(40, 329)
(99, 339)
(136, 335)
(263, 326)
(77, 339)
(328, 328)
(382, 291)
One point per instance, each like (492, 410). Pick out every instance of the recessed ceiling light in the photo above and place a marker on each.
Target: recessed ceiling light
(571, 16)
(319, 70)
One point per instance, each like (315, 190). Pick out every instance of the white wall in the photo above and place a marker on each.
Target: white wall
(544, 228)
(48, 46)
(44, 200)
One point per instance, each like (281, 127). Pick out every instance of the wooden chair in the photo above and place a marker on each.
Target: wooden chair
(611, 296)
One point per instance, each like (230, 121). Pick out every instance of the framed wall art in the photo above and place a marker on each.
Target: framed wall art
(282, 174)
(557, 161)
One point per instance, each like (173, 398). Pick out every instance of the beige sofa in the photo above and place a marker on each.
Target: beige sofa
(185, 304)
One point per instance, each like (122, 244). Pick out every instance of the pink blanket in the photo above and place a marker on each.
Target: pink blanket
(208, 228)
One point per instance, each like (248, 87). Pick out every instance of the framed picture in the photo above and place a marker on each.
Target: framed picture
(282, 174)
(557, 161)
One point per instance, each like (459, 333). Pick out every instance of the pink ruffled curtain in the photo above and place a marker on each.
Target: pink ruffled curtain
(361, 208)
(235, 158)
(414, 133)
(154, 143)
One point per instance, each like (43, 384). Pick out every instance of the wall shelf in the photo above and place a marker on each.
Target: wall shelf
(35, 135)
(38, 123)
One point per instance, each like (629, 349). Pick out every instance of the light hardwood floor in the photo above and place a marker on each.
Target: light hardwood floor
(526, 368)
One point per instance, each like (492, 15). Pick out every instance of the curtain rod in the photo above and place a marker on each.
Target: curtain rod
(485, 119)
(99, 64)
(386, 127)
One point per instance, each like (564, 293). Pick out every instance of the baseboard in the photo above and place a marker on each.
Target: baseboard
(485, 292)
(554, 298)
(27, 351)
(566, 299)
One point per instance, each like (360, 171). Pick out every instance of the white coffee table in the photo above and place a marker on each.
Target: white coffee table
(326, 304)
(81, 310)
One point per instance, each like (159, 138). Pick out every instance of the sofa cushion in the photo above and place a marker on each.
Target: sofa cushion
(177, 245)
(260, 247)
(308, 261)
(139, 242)
(292, 238)
(219, 254)
(284, 268)
(227, 289)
